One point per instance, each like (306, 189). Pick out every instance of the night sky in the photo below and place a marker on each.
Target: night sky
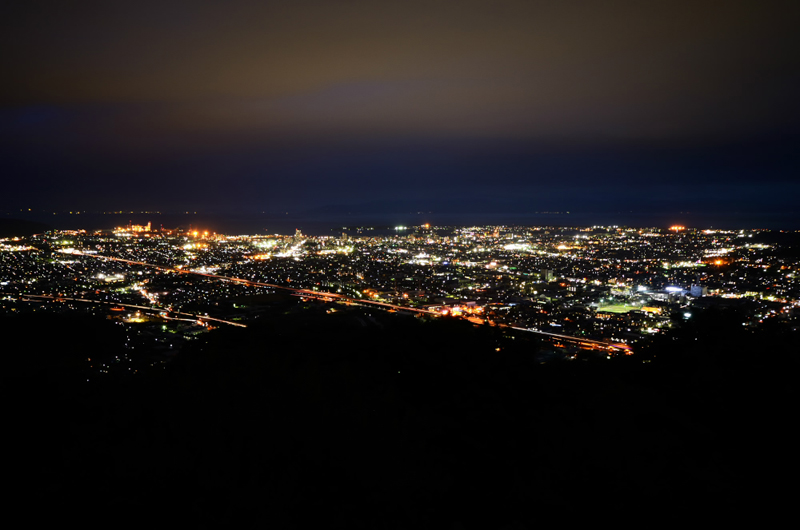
(375, 107)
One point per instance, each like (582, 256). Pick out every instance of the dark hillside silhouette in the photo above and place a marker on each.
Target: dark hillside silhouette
(359, 420)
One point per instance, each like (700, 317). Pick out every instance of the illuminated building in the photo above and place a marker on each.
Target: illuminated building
(133, 229)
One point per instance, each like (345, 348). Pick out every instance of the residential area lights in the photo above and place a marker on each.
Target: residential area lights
(615, 285)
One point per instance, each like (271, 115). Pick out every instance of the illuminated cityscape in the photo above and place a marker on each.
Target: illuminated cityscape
(186, 327)
(474, 265)
(602, 290)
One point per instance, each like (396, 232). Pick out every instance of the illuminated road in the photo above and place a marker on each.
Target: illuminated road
(191, 317)
(589, 344)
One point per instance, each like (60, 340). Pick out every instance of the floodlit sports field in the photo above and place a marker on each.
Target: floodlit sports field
(618, 308)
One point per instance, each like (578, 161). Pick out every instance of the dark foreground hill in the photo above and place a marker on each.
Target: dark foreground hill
(367, 421)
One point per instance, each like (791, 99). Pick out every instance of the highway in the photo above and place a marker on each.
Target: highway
(189, 317)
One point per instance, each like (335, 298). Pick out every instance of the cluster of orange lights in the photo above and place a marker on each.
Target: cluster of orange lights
(677, 228)
(462, 310)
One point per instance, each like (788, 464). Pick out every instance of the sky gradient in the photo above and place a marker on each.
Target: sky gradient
(377, 106)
